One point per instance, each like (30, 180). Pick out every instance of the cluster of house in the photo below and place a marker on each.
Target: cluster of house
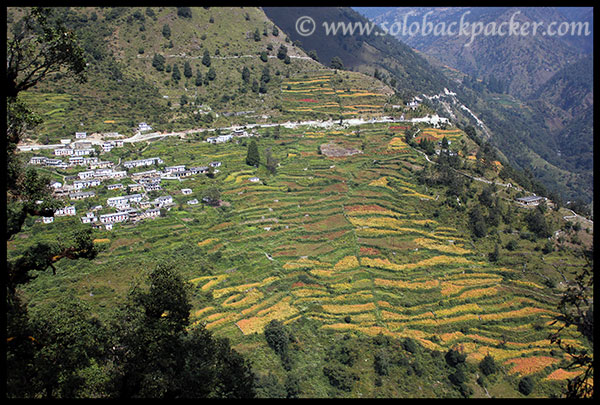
(237, 133)
(414, 103)
(144, 182)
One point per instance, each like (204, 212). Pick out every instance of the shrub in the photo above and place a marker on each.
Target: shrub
(488, 365)
(340, 377)
(454, 357)
(526, 385)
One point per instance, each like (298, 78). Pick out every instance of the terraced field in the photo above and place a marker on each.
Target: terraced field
(325, 93)
(348, 241)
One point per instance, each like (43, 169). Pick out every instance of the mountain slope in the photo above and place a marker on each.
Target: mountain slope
(133, 55)
(412, 74)
(521, 62)
(529, 126)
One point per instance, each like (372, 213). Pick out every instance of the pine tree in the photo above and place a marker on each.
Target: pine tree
(253, 157)
(176, 75)
(166, 31)
(187, 69)
(212, 74)
(206, 58)
(246, 74)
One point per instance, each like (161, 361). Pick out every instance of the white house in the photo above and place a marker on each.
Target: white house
(114, 217)
(214, 164)
(86, 175)
(63, 151)
(531, 200)
(118, 201)
(82, 152)
(219, 139)
(152, 213)
(80, 135)
(193, 202)
(142, 162)
(81, 195)
(38, 160)
(163, 200)
(186, 191)
(81, 184)
(66, 211)
(152, 187)
(172, 169)
(254, 179)
(142, 126)
(47, 220)
(88, 220)
(76, 160)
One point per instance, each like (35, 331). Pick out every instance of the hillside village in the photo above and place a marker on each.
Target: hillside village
(133, 207)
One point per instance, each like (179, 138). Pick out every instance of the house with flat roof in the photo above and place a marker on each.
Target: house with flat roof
(531, 200)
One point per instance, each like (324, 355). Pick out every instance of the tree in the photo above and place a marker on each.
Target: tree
(156, 355)
(69, 336)
(252, 156)
(263, 56)
(166, 31)
(176, 75)
(282, 52)
(275, 31)
(477, 222)
(198, 78)
(313, 55)
(246, 74)
(454, 357)
(256, 35)
(212, 196)
(536, 223)
(336, 63)
(488, 365)
(266, 75)
(494, 255)
(576, 309)
(206, 58)
(212, 74)
(184, 12)
(278, 339)
(270, 161)
(38, 46)
(187, 69)
(526, 385)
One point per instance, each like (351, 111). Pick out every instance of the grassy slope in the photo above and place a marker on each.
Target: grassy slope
(347, 237)
(129, 89)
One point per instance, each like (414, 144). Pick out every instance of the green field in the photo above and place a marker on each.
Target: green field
(349, 245)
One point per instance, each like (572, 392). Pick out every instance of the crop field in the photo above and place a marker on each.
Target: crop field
(323, 94)
(346, 241)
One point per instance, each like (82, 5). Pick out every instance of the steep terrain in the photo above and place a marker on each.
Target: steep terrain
(231, 63)
(392, 269)
(519, 86)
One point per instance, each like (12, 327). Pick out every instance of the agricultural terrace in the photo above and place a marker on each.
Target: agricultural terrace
(325, 94)
(347, 241)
